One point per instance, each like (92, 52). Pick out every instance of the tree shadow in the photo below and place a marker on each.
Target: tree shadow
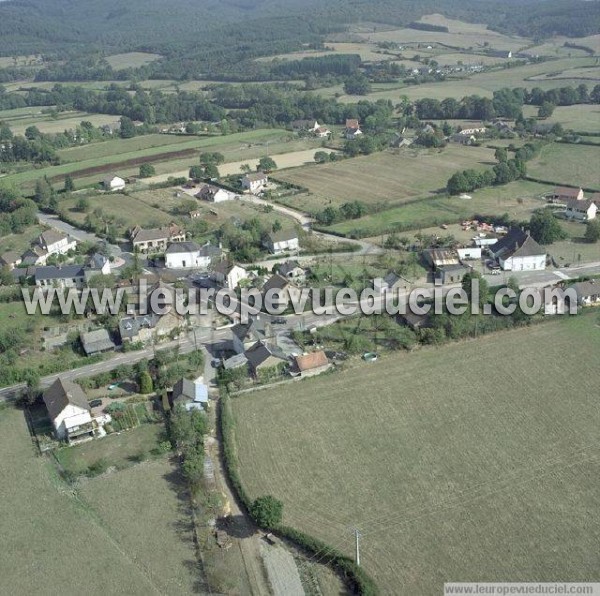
(235, 526)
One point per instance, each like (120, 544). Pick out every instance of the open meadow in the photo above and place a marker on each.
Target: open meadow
(55, 541)
(388, 177)
(473, 461)
(131, 60)
(577, 165)
(580, 118)
(516, 199)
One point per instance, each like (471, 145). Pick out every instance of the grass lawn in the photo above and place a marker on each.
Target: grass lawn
(461, 462)
(567, 164)
(54, 542)
(119, 450)
(127, 209)
(385, 178)
(20, 242)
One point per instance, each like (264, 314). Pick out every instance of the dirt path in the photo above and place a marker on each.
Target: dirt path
(249, 540)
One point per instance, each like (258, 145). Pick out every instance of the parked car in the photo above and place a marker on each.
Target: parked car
(279, 321)
(95, 403)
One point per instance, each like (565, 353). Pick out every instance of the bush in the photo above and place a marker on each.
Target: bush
(267, 512)
(145, 382)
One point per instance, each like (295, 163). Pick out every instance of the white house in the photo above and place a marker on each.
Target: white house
(518, 251)
(98, 265)
(582, 210)
(229, 275)
(189, 255)
(282, 241)
(50, 242)
(322, 132)
(112, 183)
(66, 276)
(214, 194)
(588, 292)
(254, 182)
(69, 410)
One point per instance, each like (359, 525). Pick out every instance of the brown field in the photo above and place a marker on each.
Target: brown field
(386, 177)
(452, 474)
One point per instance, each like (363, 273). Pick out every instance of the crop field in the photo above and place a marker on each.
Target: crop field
(470, 473)
(230, 145)
(581, 118)
(64, 121)
(516, 199)
(383, 177)
(131, 60)
(61, 542)
(144, 510)
(126, 209)
(567, 164)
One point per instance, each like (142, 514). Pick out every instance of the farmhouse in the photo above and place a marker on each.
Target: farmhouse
(69, 410)
(156, 238)
(96, 342)
(562, 194)
(279, 290)
(463, 139)
(113, 182)
(254, 182)
(228, 275)
(321, 132)
(245, 335)
(10, 259)
(518, 251)
(352, 129)
(214, 194)
(282, 241)
(588, 292)
(50, 242)
(292, 270)
(582, 210)
(263, 359)
(193, 395)
(62, 276)
(451, 274)
(309, 365)
(189, 255)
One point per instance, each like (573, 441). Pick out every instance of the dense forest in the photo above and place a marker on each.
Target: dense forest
(198, 37)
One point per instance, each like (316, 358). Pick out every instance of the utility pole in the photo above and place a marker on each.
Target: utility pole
(357, 535)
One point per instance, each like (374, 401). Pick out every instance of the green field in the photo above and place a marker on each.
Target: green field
(474, 461)
(576, 165)
(131, 60)
(383, 178)
(580, 118)
(517, 199)
(127, 539)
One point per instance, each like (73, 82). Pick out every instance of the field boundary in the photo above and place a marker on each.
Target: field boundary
(354, 576)
(554, 183)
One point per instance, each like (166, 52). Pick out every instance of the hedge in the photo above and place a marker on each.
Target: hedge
(356, 577)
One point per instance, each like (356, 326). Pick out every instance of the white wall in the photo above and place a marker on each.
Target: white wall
(533, 263)
(186, 260)
(71, 416)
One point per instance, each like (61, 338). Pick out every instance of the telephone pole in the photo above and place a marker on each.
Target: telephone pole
(357, 535)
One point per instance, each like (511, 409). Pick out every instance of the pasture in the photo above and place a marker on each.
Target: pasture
(61, 542)
(516, 199)
(131, 60)
(384, 178)
(464, 462)
(561, 163)
(580, 118)
(144, 509)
